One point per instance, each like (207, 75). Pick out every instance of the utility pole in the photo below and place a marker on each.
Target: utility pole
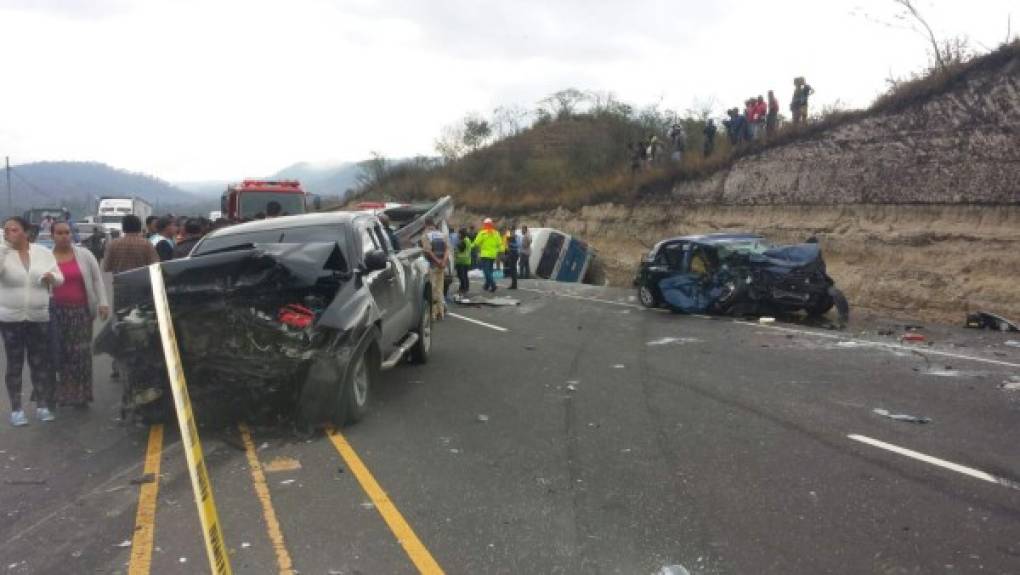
(10, 194)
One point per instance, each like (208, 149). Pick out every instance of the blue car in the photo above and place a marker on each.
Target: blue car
(737, 274)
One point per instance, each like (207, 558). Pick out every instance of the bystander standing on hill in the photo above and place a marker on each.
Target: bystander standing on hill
(799, 104)
(678, 135)
(773, 115)
(709, 133)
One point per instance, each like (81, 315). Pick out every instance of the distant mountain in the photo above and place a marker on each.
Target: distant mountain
(76, 185)
(331, 180)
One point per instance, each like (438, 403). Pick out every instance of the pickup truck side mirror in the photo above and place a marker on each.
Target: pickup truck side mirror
(376, 260)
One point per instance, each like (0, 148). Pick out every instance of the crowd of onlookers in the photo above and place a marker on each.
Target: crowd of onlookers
(49, 299)
(759, 120)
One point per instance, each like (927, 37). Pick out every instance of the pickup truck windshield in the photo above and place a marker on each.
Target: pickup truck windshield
(293, 235)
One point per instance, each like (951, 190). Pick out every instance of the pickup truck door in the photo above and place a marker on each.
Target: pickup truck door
(402, 302)
(382, 285)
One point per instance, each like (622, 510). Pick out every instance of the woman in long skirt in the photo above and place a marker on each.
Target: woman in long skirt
(75, 304)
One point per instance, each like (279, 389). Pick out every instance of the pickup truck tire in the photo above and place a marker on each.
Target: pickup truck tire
(422, 348)
(356, 387)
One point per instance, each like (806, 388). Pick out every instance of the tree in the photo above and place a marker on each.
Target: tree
(372, 170)
(508, 121)
(562, 104)
(476, 132)
(606, 103)
(450, 144)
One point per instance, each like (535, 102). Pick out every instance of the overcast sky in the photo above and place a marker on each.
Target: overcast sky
(194, 90)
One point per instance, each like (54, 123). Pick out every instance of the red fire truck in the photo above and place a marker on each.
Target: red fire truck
(251, 198)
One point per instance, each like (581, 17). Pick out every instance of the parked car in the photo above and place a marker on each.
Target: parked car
(737, 274)
(297, 312)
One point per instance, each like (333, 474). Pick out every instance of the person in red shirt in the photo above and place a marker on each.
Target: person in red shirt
(72, 308)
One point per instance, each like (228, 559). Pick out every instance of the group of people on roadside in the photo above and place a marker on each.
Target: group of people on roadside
(488, 249)
(49, 300)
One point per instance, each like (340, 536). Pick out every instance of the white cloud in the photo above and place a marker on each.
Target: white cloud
(225, 89)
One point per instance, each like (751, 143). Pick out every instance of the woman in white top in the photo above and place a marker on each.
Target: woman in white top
(27, 274)
(73, 308)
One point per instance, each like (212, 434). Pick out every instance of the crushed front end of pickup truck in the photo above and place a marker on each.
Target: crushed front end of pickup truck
(249, 323)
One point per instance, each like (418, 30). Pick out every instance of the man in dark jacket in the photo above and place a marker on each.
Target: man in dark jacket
(709, 132)
(192, 233)
(163, 241)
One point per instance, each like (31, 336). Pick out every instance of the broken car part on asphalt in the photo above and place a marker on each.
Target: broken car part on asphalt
(985, 320)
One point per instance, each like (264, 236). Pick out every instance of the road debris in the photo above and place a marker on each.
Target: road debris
(619, 366)
(673, 570)
(766, 320)
(245, 545)
(1012, 343)
(486, 301)
(124, 543)
(147, 478)
(482, 417)
(287, 481)
(985, 320)
(24, 482)
(676, 340)
(280, 463)
(1012, 383)
(913, 337)
(901, 416)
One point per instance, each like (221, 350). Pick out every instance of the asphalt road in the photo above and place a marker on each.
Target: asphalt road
(584, 435)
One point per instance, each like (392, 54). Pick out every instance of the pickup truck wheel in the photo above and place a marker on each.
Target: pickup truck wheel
(352, 401)
(422, 348)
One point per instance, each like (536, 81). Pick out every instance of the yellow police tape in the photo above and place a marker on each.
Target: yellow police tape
(219, 560)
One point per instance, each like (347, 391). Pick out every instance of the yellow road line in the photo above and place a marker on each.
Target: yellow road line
(145, 518)
(262, 491)
(419, 555)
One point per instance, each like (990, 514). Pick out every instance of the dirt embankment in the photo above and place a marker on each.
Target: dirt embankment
(928, 262)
